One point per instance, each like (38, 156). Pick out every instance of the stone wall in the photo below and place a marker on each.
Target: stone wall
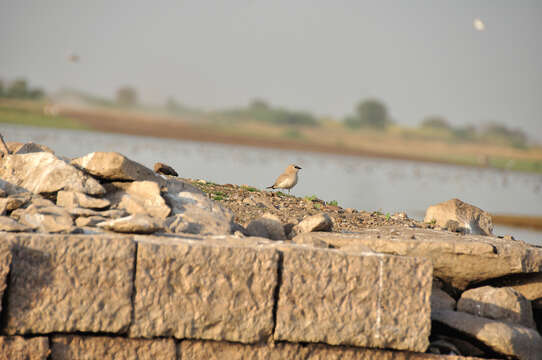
(132, 296)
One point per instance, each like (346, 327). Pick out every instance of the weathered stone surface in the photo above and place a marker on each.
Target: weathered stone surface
(471, 219)
(48, 219)
(68, 283)
(10, 189)
(193, 212)
(457, 259)
(137, 224)
(115, 166)
(43, 172)
(20, 348)
(10, 225)
(138, 197)
(13, 202)
(212, 350)
(89, 221)
(369, 300)
(111, 348)
(319, 222)
(504, 338)
(440, 300)
(268, 226)
(5, 263)
(504, 304)
(26, 148)
(206, 290)
(528, 285)
(74, 199)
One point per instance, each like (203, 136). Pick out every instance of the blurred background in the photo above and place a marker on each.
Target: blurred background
(387, 105)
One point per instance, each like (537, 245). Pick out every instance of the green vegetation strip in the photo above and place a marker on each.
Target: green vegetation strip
(25, 117)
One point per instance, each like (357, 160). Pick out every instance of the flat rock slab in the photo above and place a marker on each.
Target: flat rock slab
(5, 262)
(20, 348)
(457, 259)
(367, 300)
(195, 289)
(111, 348)
(504, 338)
(212, 350)
(68, 283)
(43, 172)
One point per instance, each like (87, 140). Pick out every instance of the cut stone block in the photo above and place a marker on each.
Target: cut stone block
(111, 348)
(68, 283)
(194, 289)
(367, 300)
(212, 350)
(20, 348)
(457, 259)
(5, 262)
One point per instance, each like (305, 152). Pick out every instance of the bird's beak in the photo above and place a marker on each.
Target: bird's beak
(297, 167)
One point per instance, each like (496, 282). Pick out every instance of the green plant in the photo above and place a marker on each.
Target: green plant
(249, 188)
(317, 206)
(388, 216)
(218, 197)
(311, 198)
(333, 203)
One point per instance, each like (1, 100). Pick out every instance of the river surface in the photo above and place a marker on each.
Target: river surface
(359, 182)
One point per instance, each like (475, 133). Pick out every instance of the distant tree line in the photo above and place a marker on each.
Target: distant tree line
(19, 89)
(260, 110)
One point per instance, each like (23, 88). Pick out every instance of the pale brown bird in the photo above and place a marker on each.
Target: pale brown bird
(287, 179)
(164, 169)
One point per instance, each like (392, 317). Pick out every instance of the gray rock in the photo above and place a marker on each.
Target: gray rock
(213, 291)
(440, 300)
(269, 226)
(26, 148)
(193, 212)
(20, 348)
(135, 224)
(89, 221)
(528, 285)
(8, 188)
(43, 172)
(13, 202)
(504, 304)
(472, 220)
(115, 166)
(138, 197)
(331, 297)
(47, 219)
(69, 283)
(111, 348)
(319, 222)
(10, 225)
(459, 260)
(504, 338)
(73, 199)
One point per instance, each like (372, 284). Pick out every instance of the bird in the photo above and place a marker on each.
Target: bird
(164, 169)
(287, 179)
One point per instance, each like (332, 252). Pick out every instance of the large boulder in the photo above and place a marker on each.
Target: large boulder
(504, 304)
(471, 220)
(268, 226)
(43, 172)
(504, 338)
(136, 224)
(26, 148)
(459, 260)
(319, 222)
(114, 166)
(10, 225)
(47, 219)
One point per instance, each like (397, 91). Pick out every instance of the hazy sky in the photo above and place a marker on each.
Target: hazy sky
(419, 57)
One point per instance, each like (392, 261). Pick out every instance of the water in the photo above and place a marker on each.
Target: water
(358, 182)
